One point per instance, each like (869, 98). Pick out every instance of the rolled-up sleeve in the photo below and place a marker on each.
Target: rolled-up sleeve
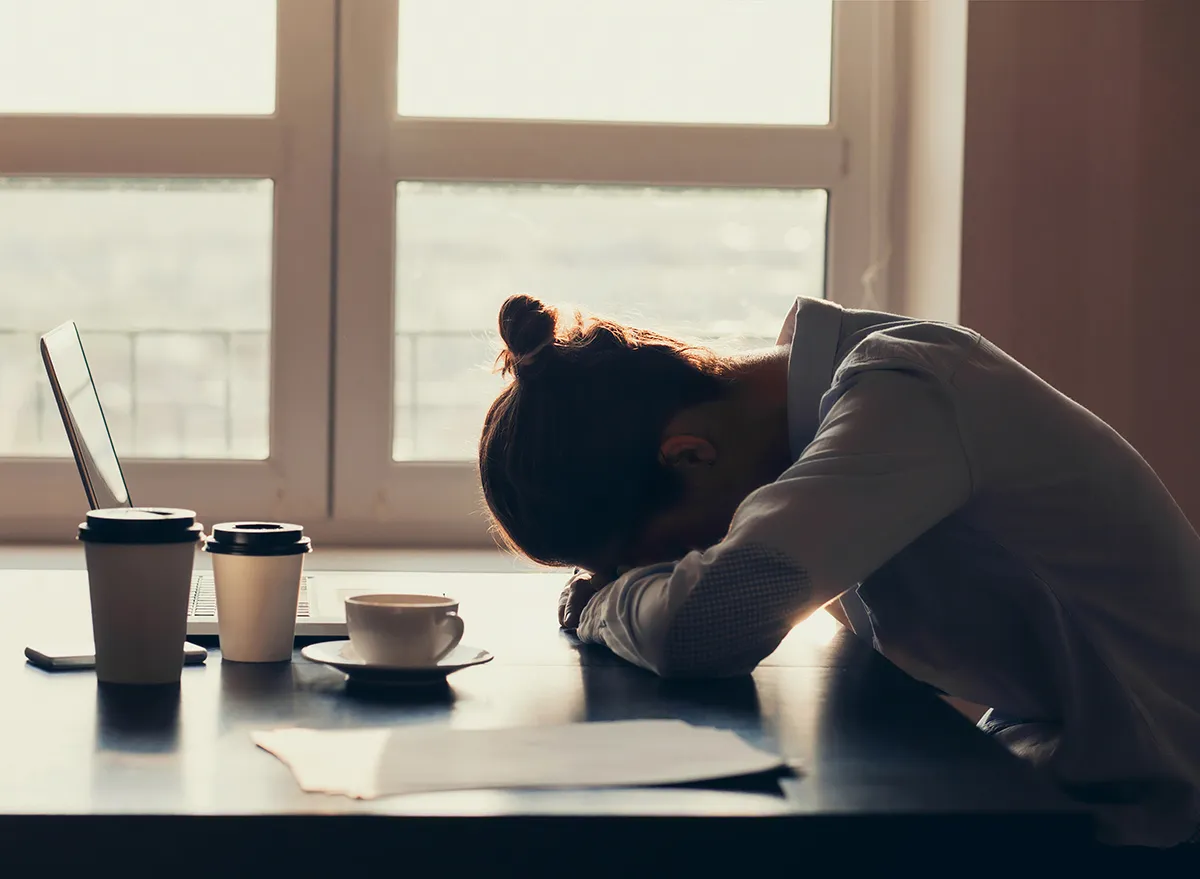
(886, 465)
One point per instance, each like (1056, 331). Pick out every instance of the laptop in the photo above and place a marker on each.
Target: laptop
(321, 610)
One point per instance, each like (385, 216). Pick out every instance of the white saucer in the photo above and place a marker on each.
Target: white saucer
(341, 655)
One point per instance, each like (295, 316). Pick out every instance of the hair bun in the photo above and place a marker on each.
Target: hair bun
(527, 325)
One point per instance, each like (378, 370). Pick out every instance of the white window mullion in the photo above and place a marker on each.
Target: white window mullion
(366, 246)
(141, 146)
(429, 503)
(301, 311)
(579, 152)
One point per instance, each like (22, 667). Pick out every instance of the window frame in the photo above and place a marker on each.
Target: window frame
(438, 503)
(294, 146)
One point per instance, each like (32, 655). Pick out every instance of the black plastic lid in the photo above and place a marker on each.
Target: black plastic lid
(140, 525)
(257, 538)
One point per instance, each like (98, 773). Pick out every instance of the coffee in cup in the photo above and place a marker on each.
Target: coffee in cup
(257, 568)
(139, 567)
(403, 631)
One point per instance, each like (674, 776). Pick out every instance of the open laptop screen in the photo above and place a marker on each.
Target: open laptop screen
(83, 418)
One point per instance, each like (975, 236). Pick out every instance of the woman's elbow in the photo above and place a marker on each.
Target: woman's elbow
(712, 660)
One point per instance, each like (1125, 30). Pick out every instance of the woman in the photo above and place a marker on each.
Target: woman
(987, 534)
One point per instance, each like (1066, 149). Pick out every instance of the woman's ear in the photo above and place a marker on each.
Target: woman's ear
(685, 450)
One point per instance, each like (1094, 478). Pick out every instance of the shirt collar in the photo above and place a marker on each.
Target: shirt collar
(813, 330)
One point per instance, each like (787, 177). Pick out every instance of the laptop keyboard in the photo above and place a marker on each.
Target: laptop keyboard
(203, 603)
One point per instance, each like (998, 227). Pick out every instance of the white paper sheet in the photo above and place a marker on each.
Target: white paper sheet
(380, 762)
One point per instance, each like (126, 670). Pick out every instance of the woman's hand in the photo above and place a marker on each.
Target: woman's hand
(575, 597)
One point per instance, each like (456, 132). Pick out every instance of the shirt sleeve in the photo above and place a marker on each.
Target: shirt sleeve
(886, 465)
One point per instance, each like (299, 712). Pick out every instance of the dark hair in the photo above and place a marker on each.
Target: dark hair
(569, 454)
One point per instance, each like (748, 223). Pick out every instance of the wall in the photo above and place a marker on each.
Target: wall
(1081, 209)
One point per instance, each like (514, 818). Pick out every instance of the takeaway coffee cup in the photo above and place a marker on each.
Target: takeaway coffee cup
(257, 568)
(139, 566)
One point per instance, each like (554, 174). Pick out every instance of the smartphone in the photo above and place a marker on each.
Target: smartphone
(63, 658)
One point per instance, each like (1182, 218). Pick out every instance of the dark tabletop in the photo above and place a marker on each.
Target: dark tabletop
(880, 757)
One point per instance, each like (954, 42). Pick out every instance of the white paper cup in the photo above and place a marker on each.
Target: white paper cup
(403, 631)
(257, 567)
(139, 565)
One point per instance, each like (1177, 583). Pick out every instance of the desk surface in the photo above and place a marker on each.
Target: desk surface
(875, 746)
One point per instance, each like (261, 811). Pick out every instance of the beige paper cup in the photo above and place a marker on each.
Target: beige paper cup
(139, 566)
(257, 568)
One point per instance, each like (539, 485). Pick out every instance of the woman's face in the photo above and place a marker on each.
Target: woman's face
(713, 491)
(700, 520)
(722, 452)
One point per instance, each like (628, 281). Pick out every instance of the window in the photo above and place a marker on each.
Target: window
(181, 376)
(663, 256)
(166, 181)
(286, 263)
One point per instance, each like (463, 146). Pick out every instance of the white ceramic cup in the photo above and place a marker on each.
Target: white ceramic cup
(139, 567)
(403, 631)
(257, 567)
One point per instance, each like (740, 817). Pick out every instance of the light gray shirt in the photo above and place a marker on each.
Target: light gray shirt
(988, 535)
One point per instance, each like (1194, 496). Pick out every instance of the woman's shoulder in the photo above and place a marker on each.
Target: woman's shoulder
(932, 348)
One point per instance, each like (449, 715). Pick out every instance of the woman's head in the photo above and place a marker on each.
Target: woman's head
(570, 457)
(604, 448)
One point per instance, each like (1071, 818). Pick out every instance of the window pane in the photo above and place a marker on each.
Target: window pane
(137, 56)
(714, 61)
(717, 265)
(170, 283)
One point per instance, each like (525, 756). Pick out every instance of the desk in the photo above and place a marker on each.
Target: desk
(884, 760)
